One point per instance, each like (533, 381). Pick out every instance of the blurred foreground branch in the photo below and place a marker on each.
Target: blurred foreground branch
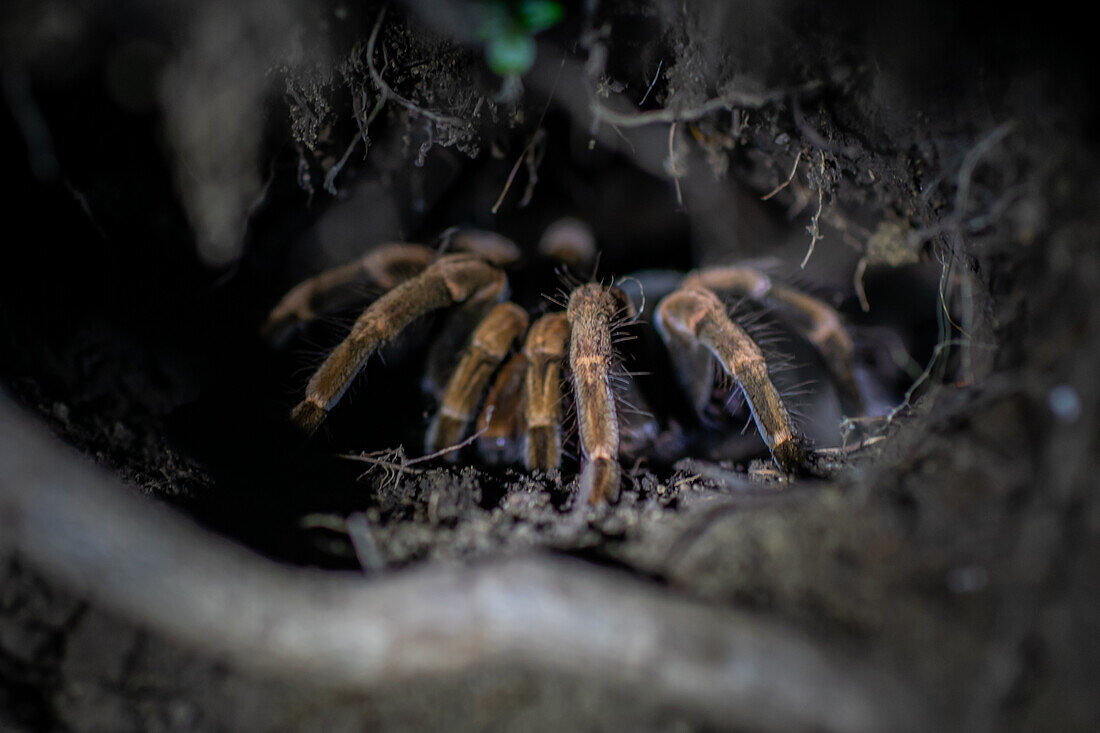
(74, 522)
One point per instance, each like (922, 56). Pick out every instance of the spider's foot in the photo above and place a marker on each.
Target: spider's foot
(446, 431)
(277, 328)
(307, 416)
(790, 455)
(599, 480)
(543, 447)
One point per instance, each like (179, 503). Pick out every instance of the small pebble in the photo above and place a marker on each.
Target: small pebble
(1064, 403)
(967, 579)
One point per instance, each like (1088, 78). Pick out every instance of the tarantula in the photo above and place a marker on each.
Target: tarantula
(522, 405)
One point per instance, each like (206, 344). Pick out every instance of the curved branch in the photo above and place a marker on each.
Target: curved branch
(77, 523)
(732, 99)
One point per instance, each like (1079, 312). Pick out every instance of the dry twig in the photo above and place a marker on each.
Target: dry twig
(527, 148)
(395, 464)
(653, 83)
(731, 99)
(673, 169)
(784, 184)
(813, 229)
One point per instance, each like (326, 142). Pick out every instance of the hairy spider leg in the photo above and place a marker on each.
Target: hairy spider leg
(500, 425)
(459, 324)
(698, 315)
(638, 428)
(571, 242)
(450, 340)
(545, 349)
(383, 267)
(489, 344)
(813, 319)
(450, 279)
(821, 325)
(592, 312)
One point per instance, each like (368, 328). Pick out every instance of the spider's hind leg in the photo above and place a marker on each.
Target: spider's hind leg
(821, 325)
(382, 268)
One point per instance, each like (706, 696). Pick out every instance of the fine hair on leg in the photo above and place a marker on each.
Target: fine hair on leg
(698, 314)
(812, 318)
(593, 312)
(450, 279)
(383, 267)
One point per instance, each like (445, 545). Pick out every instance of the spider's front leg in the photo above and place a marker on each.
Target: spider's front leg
(694, 316)
(488, 346)
(450, 279)
(592, 312)
(500, 426)
(545, 349)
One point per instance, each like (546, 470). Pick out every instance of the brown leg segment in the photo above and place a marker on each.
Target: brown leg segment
(500, 423)
(545, 349)
(488, 346)
(451, 340)
(698, 314)
(383, 267)
(592, 311)
(446, 349)
(820, 324)
(450, 279)
(816, 321)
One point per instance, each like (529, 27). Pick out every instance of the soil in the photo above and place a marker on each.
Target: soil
(180, 169)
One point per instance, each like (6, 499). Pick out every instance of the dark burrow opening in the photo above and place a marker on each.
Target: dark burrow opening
(142, 356)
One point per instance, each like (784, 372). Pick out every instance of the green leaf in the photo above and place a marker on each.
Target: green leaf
(513, 53)
(538, 15)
